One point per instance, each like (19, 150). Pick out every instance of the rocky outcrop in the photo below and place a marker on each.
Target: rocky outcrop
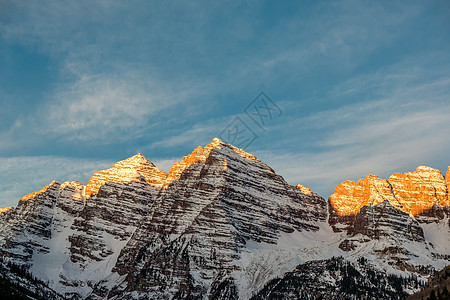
(418, 192)
(384, 220)
(415, 193)
(385, 232)
(447, 176)
(349, 197)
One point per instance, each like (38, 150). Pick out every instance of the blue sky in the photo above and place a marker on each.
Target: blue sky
(364, 86)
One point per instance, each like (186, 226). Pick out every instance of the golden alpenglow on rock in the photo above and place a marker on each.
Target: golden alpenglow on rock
(134, 169)
(412, 192)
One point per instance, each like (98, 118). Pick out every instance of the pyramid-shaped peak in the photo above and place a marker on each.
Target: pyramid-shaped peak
(217, 141)
(137, 159)
(201, 154)
(134, 168)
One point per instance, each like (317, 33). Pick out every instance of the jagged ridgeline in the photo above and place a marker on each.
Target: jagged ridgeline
(224, 225)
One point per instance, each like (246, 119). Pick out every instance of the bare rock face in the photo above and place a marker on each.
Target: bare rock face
(415, 193)
(349, 197)
(67, 240)
(118, 200)
(384, 220)
(419, 191)
(448, 190)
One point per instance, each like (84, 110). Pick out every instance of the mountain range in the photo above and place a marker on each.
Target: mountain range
(224, 225)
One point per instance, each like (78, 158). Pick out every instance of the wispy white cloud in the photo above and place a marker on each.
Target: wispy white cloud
(97, 108)
(392, 144)
(402, 124)
(109, 88)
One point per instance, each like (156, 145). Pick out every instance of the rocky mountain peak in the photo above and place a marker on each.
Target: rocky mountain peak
(420, 191)
(137, 159)
(425, 169)
(52, 184)
(201, 154)
(412, 192)
(75, 185)
(134, 169)
(305, 190)
(349, 196)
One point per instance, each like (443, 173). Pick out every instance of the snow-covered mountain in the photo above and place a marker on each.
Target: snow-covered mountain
(221, 225)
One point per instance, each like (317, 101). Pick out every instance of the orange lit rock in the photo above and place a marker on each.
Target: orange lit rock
(5, 209)
(200, 154)
(349, 197)
(419, 191)
(305, 190)
(34, 194)
(448, 185)
(412, 192)
(134, 169)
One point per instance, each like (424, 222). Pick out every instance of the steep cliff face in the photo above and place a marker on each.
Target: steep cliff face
(118, 199)
(414, 193)
(35, 234)
(447, 176)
